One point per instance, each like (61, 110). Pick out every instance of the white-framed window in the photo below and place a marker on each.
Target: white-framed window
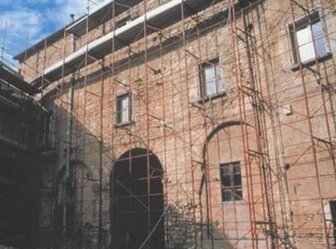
(211, 78)
(308, 39)
(123, 108)
(231, 181)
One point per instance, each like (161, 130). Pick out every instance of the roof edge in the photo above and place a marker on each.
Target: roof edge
(57, 34)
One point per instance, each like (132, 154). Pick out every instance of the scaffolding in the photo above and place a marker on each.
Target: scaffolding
(158, 180)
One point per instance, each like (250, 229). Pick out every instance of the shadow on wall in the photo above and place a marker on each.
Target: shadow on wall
(181, 230)
(81, 229)
(69, 209)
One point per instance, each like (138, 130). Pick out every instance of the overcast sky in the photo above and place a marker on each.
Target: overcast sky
(29, 21)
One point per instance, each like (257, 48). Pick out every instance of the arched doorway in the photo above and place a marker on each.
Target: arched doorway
(137, 205)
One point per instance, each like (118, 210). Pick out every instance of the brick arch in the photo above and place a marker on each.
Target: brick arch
(137, 205)
(208, 166)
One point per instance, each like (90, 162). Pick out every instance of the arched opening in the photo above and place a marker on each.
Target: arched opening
(137, 205)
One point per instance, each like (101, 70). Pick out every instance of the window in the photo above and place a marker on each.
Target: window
(211, 78)
(123, 109)
(308, 39)
(231, 181)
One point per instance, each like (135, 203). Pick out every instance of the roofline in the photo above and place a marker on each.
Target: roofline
(71, 28)
(16, 80)
(54, 36)
(40, 44)
(168, 14)
(84, 17)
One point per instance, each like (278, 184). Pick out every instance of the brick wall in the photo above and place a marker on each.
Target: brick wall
(284, 189)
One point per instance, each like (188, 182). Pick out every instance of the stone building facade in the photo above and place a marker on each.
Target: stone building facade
(189, 124)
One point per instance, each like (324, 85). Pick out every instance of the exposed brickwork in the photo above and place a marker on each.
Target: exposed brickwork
(192, 136)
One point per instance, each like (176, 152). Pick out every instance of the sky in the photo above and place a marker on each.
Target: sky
(25, 22)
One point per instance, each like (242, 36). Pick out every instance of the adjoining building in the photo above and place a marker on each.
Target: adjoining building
(189, 124)
(22, 123)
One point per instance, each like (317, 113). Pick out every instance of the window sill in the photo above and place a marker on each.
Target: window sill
(230, 203)
(212, 97)
(296, 66)
(120, 125)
